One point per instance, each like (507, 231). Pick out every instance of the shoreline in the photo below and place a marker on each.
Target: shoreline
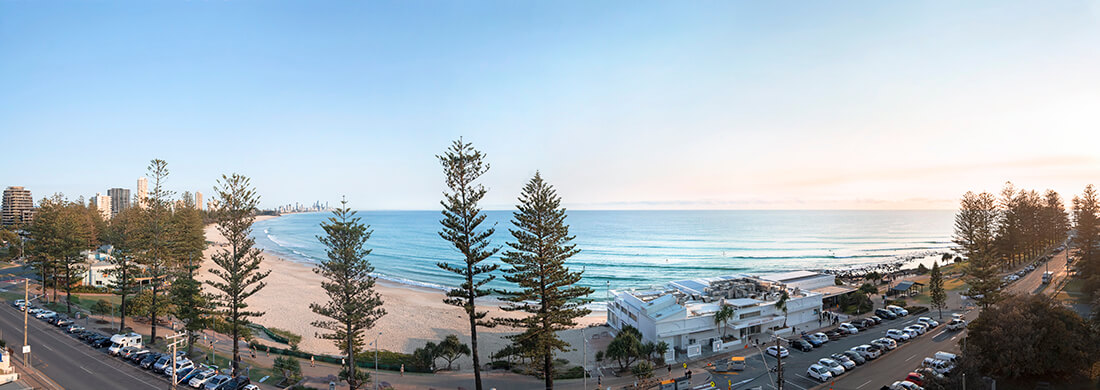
(414, 314)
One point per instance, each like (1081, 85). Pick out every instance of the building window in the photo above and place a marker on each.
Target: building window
(750, 314)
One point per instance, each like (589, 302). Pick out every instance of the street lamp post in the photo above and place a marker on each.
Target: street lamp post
(584, 371)
(376, 359)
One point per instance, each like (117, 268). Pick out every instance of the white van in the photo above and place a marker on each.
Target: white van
(947, 357)
(120, 341)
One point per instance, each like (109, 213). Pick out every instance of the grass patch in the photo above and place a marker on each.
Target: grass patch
(957, 284)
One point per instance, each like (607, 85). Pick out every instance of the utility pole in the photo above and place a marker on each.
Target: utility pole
(778, 364)
(26, 307)
(172, 347)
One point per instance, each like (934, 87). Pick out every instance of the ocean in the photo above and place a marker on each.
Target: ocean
(643, 249)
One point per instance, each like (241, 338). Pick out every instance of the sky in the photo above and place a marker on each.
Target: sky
(619, 104)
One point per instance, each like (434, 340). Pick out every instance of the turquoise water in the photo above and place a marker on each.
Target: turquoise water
(641, 249)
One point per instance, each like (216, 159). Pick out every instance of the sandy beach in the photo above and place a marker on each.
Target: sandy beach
(413, 315)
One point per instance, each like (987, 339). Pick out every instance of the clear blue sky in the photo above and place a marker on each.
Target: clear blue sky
(631, 104)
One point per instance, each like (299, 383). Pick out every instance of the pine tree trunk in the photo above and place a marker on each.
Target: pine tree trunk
(548, 368)
(122, 314)
(473, 335)
(153, 313)
(236, 334)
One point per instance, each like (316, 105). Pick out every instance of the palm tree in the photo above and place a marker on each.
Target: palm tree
(722, 317)
(781, 304)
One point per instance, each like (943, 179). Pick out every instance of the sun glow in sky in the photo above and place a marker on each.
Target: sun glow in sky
(620, 105)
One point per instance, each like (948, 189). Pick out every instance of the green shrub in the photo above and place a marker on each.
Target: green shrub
(500, 364)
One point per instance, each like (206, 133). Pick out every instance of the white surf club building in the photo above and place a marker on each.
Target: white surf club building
(683, 313)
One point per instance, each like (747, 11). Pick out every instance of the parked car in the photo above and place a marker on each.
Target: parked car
(162, 363)
(876, 319)
(819, 336)
(916, 378)
(180, 364)
(844, 361)
(182, 374)
(200, 380)
(848, 328)
(251, 387)
(884, 343)
(213, 383)
(74, 328)
(869, 352)
(45, 314)
(102, 342)
(139, 356)
(150, 360)
(928, 373)
(867, 322)
(125, 351)
(916, 328)
(940, 366)
(777, 351)
(834, 367)
(815, 342)
(801, 345)
(834, 335)
(191, 374)
(237, 383)
(886, 314)
(956, 324)
(859, 324)
(819, 372)
(898, 310)
(911, 332)
(897, 335)
(855, 356)
(905, 385)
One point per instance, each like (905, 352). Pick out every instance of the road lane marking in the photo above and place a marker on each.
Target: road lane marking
(864, 384)
(910, 358)
(954, 337)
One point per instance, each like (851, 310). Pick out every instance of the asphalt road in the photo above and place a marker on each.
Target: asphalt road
(795, 365)
(68, 361)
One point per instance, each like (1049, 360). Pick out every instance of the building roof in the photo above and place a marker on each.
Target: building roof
(743, 302)
(793, 277)
(832, 291)
(905, 285)
(696, 286)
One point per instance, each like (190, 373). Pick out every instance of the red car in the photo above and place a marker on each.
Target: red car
(916, 378)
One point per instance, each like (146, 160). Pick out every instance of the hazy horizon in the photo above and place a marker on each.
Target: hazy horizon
(620, 105)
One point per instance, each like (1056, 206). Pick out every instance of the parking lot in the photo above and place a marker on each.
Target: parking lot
(78, 358)
(760, 367)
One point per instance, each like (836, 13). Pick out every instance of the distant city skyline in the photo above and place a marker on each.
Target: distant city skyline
(620, 105)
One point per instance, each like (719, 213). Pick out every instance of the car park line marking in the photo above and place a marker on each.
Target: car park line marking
(864, 384)
(796, 385)
(954, 337)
